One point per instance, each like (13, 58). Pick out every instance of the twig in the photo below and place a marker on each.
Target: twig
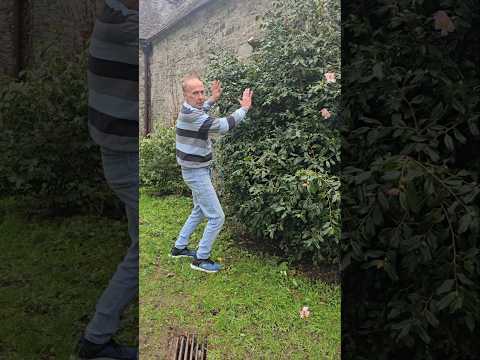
(454, 248)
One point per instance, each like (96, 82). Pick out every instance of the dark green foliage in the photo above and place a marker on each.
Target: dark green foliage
(278, 168)
(158, 166)
(410, 201)
(47, 155)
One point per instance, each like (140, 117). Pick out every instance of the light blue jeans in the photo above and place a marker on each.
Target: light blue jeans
(205, 205)
(121, 173)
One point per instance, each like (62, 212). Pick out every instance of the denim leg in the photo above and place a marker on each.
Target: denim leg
(121, 172)
(192, 222)
(200, 182)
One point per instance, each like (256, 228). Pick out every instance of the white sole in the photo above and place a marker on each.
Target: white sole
(200, 269)
(179, 256)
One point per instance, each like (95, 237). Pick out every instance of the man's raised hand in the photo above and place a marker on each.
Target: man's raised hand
(246, 101)
(216, 90)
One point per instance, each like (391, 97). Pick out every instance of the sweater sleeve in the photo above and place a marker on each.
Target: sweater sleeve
(207, 105)
(222, 125)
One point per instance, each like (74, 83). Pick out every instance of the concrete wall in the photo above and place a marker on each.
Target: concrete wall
(186, 47)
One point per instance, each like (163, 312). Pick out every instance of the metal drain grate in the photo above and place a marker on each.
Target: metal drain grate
(188, 347)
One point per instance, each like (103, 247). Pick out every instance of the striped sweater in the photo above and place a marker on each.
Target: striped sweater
(113, 79)
(194, 127)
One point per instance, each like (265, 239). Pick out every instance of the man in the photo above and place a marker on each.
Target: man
(113, 124)
(194, 154)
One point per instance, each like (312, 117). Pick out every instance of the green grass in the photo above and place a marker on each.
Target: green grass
(52, 273)
(248, 311)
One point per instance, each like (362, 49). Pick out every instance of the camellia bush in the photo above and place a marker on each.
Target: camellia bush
(47, 157)
(278, 169)
(410, 197)
(159, 172)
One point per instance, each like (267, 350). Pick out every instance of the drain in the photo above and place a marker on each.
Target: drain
(188, 347)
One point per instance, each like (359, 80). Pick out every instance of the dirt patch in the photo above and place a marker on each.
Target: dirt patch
(154, 338)
(327, 273)
(154, 343)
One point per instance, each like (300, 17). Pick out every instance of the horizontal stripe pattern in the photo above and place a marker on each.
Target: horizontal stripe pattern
(112, 69)
(191, 134)
(123, 89)
(112, 125)
(112, 141)
(194, 128)
(106, 50)
(113, 79)
(113, 106)
(192, 157)
(194, 148)
(200, 143)
(205, 128)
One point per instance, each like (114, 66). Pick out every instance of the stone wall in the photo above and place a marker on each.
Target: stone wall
(45, 24)
(186, 46)
(65, 22)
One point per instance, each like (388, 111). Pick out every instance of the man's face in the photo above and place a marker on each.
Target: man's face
(194, 93)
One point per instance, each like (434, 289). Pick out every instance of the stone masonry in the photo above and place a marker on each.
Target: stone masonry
(44, 24)
(186, 46)
(65, 22)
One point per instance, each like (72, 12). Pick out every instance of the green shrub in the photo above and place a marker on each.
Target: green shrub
(47, 155)
(277, 169)
(411, 208)
(158, 165)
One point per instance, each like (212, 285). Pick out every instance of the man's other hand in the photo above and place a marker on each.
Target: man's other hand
(246, 101)
(216, 90)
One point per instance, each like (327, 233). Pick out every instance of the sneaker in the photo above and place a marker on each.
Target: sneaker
(111, 350)
(205, 265)
(182, 253)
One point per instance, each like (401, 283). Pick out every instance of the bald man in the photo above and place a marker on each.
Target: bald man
(194, 154)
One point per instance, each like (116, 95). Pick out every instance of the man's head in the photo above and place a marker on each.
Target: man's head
(193, 90)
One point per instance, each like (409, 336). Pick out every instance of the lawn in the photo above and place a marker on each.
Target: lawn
(248, 311)
(51, 274)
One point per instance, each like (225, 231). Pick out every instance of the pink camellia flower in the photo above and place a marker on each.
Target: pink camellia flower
(325, 113)
(305, 312)
(330, 77)
(443, 23)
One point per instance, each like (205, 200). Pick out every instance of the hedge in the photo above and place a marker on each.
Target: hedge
(47, 157)
(410, 205)
(278, 169)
